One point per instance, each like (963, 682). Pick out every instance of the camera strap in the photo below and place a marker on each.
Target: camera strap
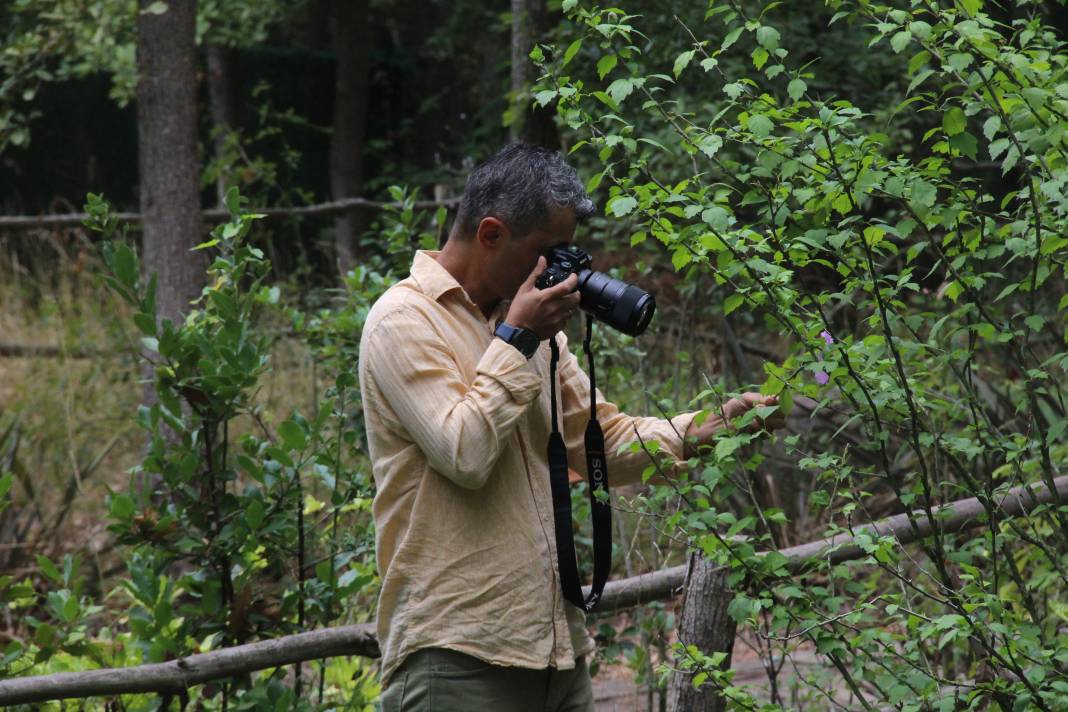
(597, 472)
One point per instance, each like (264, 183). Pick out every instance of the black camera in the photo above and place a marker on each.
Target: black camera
(618, 304)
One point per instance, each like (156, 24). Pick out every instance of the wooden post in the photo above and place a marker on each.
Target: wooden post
(703, 623)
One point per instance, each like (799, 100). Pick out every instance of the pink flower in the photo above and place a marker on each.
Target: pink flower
(827, 337)
(822, 378)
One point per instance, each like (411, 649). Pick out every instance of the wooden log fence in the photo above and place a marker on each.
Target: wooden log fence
(218, 215)
(176, 676)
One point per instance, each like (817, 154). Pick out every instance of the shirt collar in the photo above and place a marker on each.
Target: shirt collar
(435, 281)
(431, 277)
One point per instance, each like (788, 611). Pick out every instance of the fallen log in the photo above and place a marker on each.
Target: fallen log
(175, 676)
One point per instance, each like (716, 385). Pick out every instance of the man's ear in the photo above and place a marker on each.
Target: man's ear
(491, 232)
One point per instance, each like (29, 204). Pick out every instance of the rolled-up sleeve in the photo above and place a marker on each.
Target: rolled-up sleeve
(619, 428)
(461, 428)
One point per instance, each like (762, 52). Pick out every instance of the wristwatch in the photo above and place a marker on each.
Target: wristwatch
(523, 339)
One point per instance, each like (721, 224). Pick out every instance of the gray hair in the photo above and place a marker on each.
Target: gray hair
(521, 185)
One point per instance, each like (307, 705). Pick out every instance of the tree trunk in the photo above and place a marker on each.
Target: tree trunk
(531, 124)
(704, 623)
(222, 63)
(351, 44)
(167, 151)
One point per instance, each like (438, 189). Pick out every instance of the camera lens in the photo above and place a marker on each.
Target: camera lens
(620, 305)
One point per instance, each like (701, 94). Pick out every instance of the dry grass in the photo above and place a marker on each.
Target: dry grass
(73, 411)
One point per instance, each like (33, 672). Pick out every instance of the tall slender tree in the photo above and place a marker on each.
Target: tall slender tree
(351, 41)
(531, 124)
(221, 65)
(167, 151)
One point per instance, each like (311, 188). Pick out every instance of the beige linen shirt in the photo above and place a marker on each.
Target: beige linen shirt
(457, 423)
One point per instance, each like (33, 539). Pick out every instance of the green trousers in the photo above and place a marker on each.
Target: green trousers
(437, 680)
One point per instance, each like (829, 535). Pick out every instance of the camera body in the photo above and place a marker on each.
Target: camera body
(564, 260)
(615, 302)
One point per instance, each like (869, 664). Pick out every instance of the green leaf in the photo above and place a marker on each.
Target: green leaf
(49, 569)
(606, 100)
(998, 147)
(1011, 157)
(157, 8)
(125, 265)
(768, 37)
(233, 201)
(732, 302)
(682, 61)
(760, 57)
(953, 121)
(709, 144)
(1035, 322)
(991, 126)
(606, 64)
(571, 51)
(45, 635)
(953, 291)
(731, 37)
(796, 89)
(712, 243)
(568, 5)
(254, 513)
(960, 60)
(622, 205)
(900, 41)
(923, 193)
(918, 61)
(594, 181)
(760, 125)
(542, 98)
(620, 89)
(681, 257)
(716, 218)
(966, 144)
(725, 447)
(121, 507)
(292, 435)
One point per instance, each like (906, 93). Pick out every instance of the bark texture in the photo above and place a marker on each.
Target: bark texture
(704, 623)
(167, 153)
(222, 95)
(351, 45)
(532, 124)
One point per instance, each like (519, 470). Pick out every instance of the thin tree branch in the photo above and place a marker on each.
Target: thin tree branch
(215, 215)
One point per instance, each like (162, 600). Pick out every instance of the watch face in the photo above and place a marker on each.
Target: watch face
(527, 341)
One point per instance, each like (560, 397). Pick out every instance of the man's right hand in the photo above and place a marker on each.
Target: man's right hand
(543, 311)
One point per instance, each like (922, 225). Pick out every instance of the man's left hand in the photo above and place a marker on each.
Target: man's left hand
(732, 410)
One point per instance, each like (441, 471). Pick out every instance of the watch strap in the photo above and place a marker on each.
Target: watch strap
(518, 337)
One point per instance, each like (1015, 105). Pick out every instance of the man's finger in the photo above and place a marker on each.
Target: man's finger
(565, 287)
(533, 276)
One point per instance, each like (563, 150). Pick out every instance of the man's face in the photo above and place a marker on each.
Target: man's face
(519, 255)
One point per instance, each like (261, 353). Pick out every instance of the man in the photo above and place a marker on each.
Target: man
(471, 614)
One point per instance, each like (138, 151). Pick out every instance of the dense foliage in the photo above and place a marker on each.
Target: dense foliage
(916, 281)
